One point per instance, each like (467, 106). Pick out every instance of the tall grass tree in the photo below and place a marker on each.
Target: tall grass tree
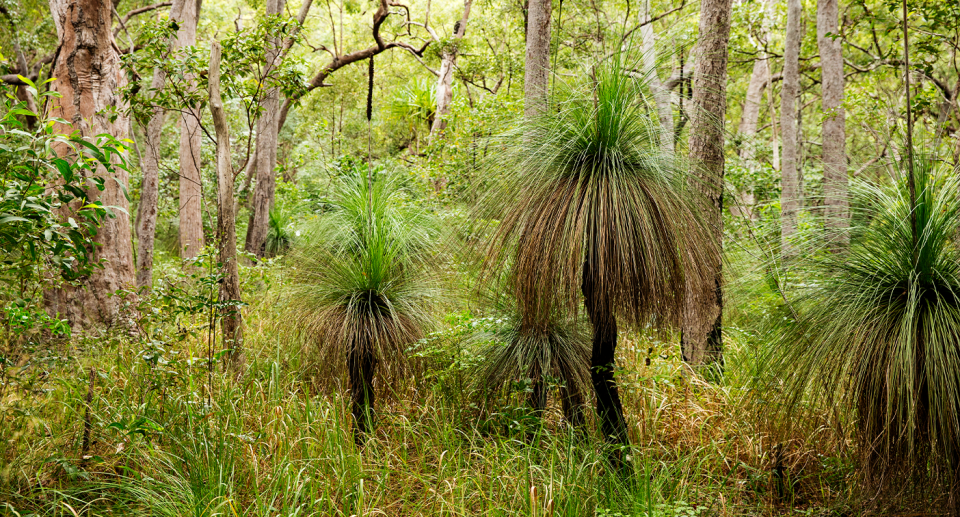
(593, 211)
(363, 285)
(878, 332)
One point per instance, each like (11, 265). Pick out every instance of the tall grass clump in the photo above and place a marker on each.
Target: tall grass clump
(878, 332)
(363, 285)
(593, 210)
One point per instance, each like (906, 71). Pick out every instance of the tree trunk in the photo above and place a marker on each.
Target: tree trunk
(87, 65)
(448, 62)
(613, 426)
(232, 321)
(701, 339)
(268, 129)
(790, 176)
(571, 401)
(191, 183)
(835, 199)
(150, 187)
(362, 365)
(661, 94)
(537, 70)
(759, 81)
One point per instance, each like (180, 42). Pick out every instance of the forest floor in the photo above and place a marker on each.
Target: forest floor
(131, 426)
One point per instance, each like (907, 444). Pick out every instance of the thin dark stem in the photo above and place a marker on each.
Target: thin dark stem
(911, 184)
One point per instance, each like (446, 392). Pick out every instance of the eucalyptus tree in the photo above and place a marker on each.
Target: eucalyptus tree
(537, 61)
(363, 285)
(89, 80)
(592, 210)
(790, 194)
(835, 182)
(702, 338)
(878, 332)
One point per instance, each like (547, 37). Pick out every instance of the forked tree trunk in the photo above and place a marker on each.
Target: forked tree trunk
(613, 426)
(150, 186)
(87, 68)
(362, 365)
(191, 183)
(268, 128)
(448, 62)
(701, 340)
(790, 175)
(232, 319)
(537, 67)
(835, 197)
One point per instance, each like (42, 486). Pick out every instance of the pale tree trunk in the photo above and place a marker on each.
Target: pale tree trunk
(191, 185)
(701, 340)
(448, 62)
(150, 186)
(268, 128)
(661, 94)
(835, 198)
(537, 68)
(226, 221)
(87, 66)
(760, 79)
(790, 175)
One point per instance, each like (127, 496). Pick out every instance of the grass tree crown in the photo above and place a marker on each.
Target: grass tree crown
(878, 329)
(362, 275)
(585, 192)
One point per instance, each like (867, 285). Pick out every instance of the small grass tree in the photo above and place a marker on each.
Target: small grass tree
(557, 348)
(878, 332)
(363, 285)
(593, 210)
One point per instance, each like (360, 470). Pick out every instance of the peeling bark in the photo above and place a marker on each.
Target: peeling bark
(87, 68)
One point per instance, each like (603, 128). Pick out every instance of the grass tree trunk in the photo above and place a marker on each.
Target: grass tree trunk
(150, 186)
(613, 426)
(835, 197)
(231, 324)
(87, 68)
(191, 186)
(661, 94)
(362, 365)
(572, 403)
(268, 129)
(537, 67)
(702, 341)
(790, 173)
(448, 62)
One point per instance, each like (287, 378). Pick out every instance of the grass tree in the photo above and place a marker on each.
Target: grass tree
(878, 332)
(592, 210)
(557, 348)
(363, 285)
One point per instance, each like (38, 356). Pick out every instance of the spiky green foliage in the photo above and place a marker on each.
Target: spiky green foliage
(362, 278)
(558, 348)
(588, 183)
(879, 330)
(279, 236)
